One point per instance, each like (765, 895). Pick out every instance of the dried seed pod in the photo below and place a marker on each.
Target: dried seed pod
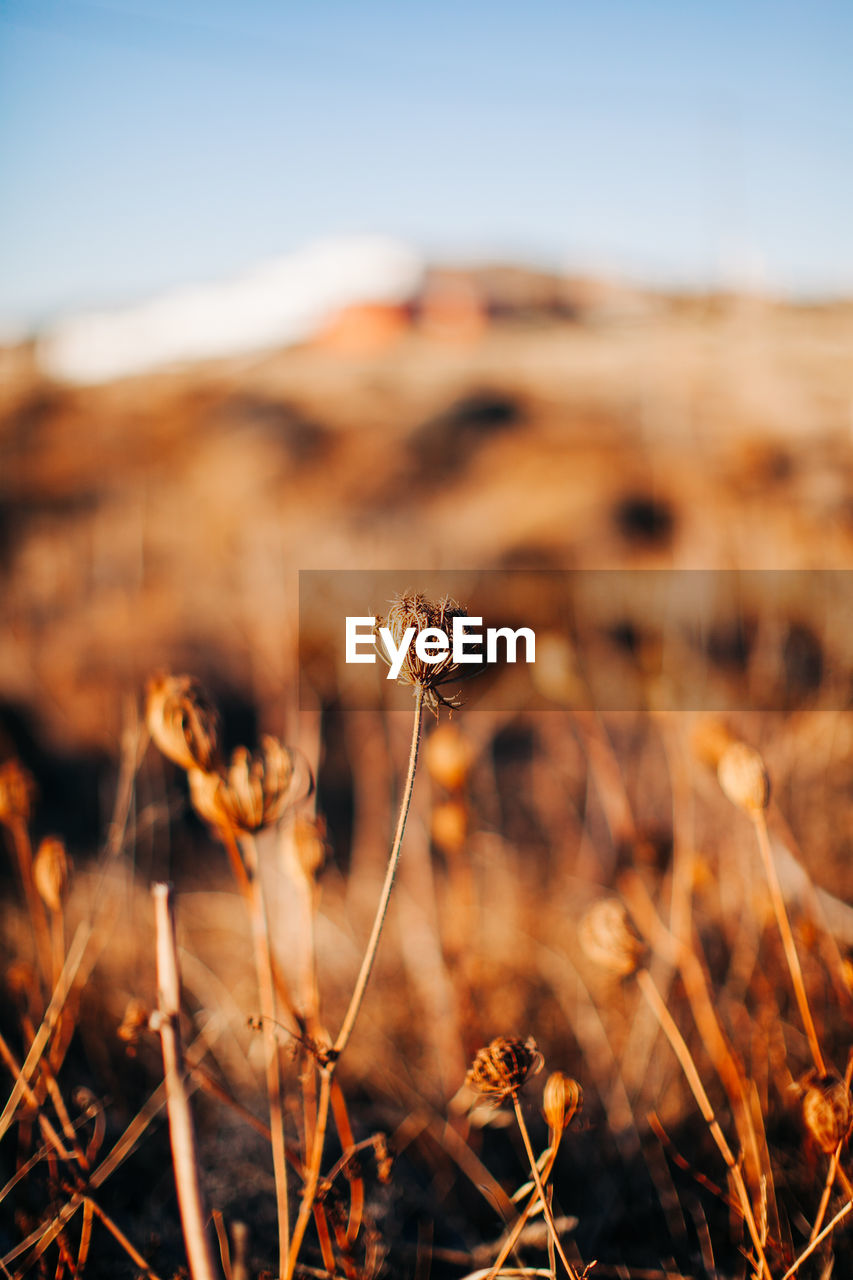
(51, 870)
(183, 721)
(417, 611)
(17, 791)
(448, 756)
(743, 778)
(826, 1109)
(257, 786)
(503, 1066)
(562, 1098)
(449, 826)
(608, 937)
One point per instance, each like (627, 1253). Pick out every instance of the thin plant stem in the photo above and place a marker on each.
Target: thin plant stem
(534, 1169)
(328, 1068)
(813, 1244)
(513, 1237)
(266, 992)
(181, 1127)
(35, 906)
(778, 901)
(688, 1066)
(381, 911)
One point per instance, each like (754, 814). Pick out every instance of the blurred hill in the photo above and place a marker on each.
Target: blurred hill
(496, 417)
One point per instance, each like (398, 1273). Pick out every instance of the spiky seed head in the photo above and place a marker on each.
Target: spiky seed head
(257, 786)
(413, 609)
(502, 1067)
(562, 1098)
(743, 777)
(826, 1109)
(17, 791)
(183, 721)
(51, 872)
(609, 939)
(448, 757)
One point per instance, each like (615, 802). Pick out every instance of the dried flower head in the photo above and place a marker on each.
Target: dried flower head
(562, 1098)
(608, 937)
(415, 611)
(503, 1066)
(183, 721)
(743, 778)
(51, 869)
(17, 791)
(827, 1111)
(257, 786)
(448, 757)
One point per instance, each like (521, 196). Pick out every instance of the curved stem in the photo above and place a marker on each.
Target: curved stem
(688, 1066)
(778, 900)
(381, 911)
(327, 1071)
(513, 1237)
(534, 1169)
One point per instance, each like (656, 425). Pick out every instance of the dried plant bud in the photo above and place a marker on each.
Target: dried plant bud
(449, 826)
(257, 786)
(17, 791)
(608, 937)
(743, 778)
(503, 1066)
(384, 1161)
(419, 612)
(448, 757)
(183, 722)
(51, 870)
(826, 1109)
(309, 845)
(135, 1022)
(562, 1097)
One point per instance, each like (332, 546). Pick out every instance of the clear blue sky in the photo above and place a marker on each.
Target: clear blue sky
(148, 142)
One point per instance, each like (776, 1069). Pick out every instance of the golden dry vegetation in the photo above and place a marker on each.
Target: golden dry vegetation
(157, 525)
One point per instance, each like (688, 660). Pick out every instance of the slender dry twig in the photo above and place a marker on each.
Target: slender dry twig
(537, 1178)
(181, 1128)
(327, 1069)
(688, 1066)
(778, 901)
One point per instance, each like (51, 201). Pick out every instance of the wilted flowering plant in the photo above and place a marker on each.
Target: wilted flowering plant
(413, 611)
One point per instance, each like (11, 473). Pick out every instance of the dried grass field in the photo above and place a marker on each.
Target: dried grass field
(608, 1026)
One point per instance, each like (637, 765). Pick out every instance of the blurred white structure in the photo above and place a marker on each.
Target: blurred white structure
(279, 302)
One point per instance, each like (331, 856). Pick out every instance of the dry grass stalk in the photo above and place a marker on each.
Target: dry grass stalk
(181, 1127)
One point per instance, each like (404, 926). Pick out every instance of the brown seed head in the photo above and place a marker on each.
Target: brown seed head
(561, 1099)
(743, 778)
(51, 870)
(412, 609)
(608, 937)
(826, 1109)
(257, 786)
(448, 757)
(17, 791)
(183, 721)
(503, 1066)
